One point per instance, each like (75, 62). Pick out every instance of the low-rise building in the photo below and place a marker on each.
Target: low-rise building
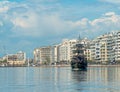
(16, 59)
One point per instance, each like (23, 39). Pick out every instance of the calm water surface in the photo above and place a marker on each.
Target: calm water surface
(59, 79)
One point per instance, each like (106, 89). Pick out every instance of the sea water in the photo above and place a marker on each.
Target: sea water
(59, 79)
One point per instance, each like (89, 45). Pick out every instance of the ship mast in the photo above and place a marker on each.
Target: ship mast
(79, 39)
(79, 46)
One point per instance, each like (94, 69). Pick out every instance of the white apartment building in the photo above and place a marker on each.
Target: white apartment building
(65, 50)
(55, 53)
(106, 48)
(109, 49)
(67, 47)
(117, 48)
(99, 49)
(36, 54)
(95, 50)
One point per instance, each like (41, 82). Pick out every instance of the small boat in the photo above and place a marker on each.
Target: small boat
(78, 61)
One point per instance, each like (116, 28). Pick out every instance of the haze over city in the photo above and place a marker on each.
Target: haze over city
(27, 24)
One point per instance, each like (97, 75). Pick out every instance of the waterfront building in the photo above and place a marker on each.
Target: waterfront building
(87, 54)
(106, 48)
(66, 49)
(55, 54)
(103, 49)
(103, 52)
(117, 48)
(16, 59)
(99, 49)
(95, 50)
(36, 54)
(60, 53)
(43, 55)
(86, 42)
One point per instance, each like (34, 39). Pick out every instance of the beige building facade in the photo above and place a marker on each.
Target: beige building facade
(87, 54)
(106, 48)
(16, 59)
(43, 55)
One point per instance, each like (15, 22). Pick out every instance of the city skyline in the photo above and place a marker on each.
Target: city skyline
(27, 24)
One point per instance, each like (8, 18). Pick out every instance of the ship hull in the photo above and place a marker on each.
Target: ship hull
(77, 66)
(78, 63)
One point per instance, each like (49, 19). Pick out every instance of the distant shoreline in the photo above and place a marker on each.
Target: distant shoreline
(66, 66)
(88, 65)
(102, 65)
(70, 65)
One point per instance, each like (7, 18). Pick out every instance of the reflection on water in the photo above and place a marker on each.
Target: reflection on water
(59, 79)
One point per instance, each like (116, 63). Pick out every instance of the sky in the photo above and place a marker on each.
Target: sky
(29, 24)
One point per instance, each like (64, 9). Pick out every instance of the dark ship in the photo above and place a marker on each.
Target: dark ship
(78, 61)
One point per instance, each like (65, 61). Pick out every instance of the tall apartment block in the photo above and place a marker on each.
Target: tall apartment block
(55, 54)
(67, 47)
(65, 50)
(87, 54)
(43, 55)
(106, 48)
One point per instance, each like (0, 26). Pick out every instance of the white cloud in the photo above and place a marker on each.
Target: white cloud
(27, 21)
(3, 9)
(112, 1)
(82, 22)
(109, 22)
(109, 18)
(37, 1)
(38, 25)
(109, 14)
(4, 6)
